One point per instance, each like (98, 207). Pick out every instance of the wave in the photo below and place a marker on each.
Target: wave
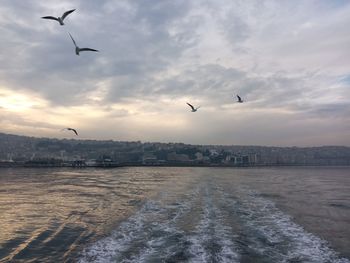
(210, 224)
(269, 234)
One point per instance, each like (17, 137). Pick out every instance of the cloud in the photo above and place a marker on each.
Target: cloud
(288, 60)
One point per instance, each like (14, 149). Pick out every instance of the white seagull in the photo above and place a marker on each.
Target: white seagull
(59, 19)
(71, 129)
(193, 108)
(239, 99)
(78, 49)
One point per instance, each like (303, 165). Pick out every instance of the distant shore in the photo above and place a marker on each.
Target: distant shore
(16, 165)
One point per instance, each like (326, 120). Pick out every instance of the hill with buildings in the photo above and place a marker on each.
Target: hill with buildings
(30, 151)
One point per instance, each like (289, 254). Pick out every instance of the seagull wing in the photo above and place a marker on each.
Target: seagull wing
(87, 49)
(239, 98)
(75, 44)
(50, 17)
(67, 13)
(75, 131)
(190, 105)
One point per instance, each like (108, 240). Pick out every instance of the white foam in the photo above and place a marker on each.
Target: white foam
(153, 233)
(212, 231)
(286, 240)
(141, 231)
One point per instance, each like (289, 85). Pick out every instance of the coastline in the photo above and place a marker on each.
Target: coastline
(109, 166)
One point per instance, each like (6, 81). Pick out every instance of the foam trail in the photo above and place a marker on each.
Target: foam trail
(273, 234)
(226, 225)
(211, 241)
(151, 231)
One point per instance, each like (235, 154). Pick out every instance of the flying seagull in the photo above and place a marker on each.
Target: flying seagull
(78, 49)
(59, 19)
(193, 108)
(71, 129)
(239, 99)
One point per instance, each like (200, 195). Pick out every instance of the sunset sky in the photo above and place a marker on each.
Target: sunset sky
(289, 61)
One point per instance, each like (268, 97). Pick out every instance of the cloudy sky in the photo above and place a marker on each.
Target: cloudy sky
(289, 61)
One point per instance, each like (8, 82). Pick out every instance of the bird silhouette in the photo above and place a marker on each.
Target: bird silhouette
(71, 129)
(59, 19)
(78, 49)
(192, 107)
(239, 99)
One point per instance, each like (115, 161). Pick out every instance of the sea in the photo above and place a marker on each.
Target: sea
(174, 214)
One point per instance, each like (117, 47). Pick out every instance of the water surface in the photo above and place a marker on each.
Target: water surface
(175, 215)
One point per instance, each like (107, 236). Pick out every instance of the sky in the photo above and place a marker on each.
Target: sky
(288, 60)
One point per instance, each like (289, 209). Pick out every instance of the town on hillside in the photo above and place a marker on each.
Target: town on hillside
(45, 152)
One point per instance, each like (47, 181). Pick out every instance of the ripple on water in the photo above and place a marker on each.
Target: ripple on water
(231, 226)
(272, 235)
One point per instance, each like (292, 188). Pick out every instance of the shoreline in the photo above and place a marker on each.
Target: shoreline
(169, 165)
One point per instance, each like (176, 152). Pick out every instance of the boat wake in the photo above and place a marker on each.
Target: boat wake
(210, 224)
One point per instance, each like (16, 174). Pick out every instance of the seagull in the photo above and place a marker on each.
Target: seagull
(193, 108)
(71, 129)
(78, 49)
(239, 99)
(59, 19)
